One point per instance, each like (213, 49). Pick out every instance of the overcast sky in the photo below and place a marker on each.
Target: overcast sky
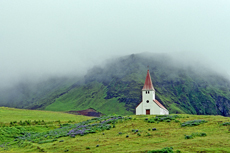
(63, 36)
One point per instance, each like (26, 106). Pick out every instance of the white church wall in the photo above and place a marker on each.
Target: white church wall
(154, 108)
(139, 109)
(163, 112)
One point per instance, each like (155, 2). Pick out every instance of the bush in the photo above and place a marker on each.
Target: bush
(193, 135)
(193, 123)
(188, 137)
(226, 124)
(152, 120)
(164, 150)
(161, 118)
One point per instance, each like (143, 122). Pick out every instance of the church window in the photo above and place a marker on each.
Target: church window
(148, 92)
(147, 101)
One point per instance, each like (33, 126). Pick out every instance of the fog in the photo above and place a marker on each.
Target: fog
(46, 38)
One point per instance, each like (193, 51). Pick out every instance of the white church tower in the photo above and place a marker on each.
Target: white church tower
(149, 105)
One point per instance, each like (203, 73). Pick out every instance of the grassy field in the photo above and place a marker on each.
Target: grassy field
(126, 134)
(8, 115)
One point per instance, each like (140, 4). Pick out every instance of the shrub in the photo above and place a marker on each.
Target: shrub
(127, 136)
(97, 145)
(161, 118)
(164, 150)
(154, 129)
(193, 135)
(138, 134)
(152, 120)
(193, 123)
(188, 137)
(226, 124)
(87, 147)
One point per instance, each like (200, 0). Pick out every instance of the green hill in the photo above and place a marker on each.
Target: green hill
(116, 88)
(175, 133)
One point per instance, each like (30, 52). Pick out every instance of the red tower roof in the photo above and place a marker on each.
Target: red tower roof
(148, 82)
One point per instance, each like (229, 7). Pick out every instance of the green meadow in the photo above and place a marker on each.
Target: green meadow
(44, 131)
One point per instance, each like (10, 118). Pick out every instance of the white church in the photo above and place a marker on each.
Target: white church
(149, 105)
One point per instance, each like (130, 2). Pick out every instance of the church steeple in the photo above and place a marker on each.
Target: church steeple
(148, 82)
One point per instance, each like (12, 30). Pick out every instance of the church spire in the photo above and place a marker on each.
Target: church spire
(148, 82)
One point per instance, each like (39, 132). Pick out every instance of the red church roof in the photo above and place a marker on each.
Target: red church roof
(159, 104)
(148, 82)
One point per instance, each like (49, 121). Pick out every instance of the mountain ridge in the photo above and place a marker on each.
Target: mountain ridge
(116, 88)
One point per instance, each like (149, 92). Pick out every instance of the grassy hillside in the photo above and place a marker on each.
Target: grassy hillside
(8, 115)
(116, 88)
(90, 96)
(123, 134)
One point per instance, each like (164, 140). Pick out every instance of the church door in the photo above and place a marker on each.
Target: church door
(147, 111)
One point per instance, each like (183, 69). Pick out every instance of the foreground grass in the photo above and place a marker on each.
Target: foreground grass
(121, 138)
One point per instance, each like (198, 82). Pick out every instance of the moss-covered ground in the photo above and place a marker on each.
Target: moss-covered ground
(135, 134)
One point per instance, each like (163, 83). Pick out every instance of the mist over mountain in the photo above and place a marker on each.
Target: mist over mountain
(115, 87)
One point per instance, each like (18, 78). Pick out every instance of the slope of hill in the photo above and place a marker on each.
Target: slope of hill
(116, 88)
(184, 133)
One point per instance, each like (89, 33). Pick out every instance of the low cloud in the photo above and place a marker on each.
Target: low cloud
(65, 38)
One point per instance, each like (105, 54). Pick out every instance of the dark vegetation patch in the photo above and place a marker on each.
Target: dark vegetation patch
(193, 135)
(164, 150)
(87, 112)
(193, 123)
(19, 134)
(162, 118)
(25, 123)
(226, 124)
